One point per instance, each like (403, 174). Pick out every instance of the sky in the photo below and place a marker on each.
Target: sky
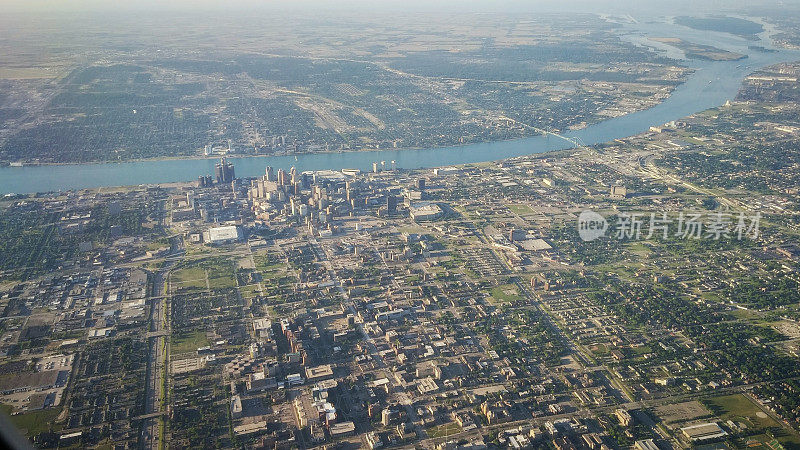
(617, 6)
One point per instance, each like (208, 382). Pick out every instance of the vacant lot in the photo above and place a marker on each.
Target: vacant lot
(188, 342)
(447, 429)
(189, 278)
(505, 293)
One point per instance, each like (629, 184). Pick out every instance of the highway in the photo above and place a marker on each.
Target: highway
(158, 334)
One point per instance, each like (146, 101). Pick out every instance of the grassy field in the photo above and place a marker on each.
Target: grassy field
(188, 342)
(505, 293)
(641, 350)
(740, 409)
(188, 278)
(737, 407)
(221, 280)
(249, 291)
(271, 266)
(220, 273)
(599, 349)
(520, 209)
(35, 422)
(447, 429)
(273, 271)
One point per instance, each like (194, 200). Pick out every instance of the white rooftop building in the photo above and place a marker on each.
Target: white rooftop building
(218, 235)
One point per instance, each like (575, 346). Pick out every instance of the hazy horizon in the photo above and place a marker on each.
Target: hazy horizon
(623, 6)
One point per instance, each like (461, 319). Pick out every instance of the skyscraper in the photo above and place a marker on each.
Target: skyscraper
(223, 171)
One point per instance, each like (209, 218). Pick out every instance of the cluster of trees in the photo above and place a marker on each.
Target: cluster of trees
(200, 418)
(651, 305)
(32, 240)
(190, 309)
(764, 168)
(786, 398)
(542, 341)
(740, 348)
(598, 251)
(772, 289)
(114, 113)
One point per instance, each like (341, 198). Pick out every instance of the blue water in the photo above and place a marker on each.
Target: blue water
(711, 85)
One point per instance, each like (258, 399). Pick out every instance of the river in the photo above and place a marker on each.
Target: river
(711, 85)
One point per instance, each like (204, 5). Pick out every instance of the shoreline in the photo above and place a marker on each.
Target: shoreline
(234, 156)
(709, 85)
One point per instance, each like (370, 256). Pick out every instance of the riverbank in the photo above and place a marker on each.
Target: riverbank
(711, 84)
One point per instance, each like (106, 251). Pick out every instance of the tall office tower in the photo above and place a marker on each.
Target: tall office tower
(421, 184)
(391, 204)
(223, 171)
(282, 178)
(218, 171)
(252, 191)
(230, 174)
(383, 166)
(270, 173)
(375, 167)
(293, 173)
(394, 166)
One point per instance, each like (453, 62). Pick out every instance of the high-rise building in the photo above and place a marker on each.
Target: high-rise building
(223, 171)
(270, 173)
(391, 204)
(282, 177)
(421, 184)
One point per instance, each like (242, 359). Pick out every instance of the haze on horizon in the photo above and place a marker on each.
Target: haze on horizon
(615, 6)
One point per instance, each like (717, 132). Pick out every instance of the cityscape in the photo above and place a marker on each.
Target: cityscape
(603, 289)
